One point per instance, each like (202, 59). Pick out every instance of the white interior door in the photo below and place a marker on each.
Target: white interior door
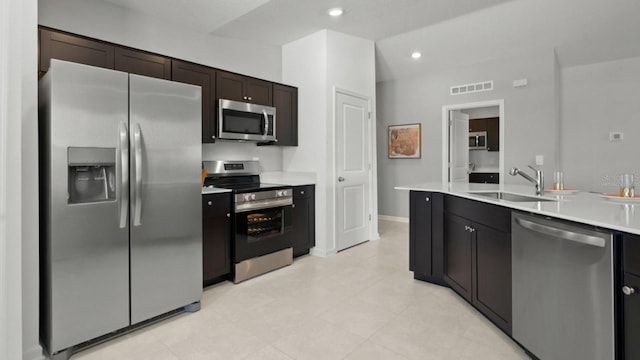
(458, 146)
(352, 170)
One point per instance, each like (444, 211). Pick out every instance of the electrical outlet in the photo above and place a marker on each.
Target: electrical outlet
(539, 160)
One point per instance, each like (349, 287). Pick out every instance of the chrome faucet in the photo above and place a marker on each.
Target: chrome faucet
(538, 181)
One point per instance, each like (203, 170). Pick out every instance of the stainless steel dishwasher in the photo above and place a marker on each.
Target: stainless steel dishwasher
(562, 289)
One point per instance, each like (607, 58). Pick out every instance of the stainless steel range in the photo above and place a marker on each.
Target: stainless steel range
(261, 224)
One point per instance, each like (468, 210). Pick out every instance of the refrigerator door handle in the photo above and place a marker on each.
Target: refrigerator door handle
(137, 149)
(123, 148)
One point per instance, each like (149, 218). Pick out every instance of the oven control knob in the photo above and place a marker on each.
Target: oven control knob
(253, 196)
(280, 193)
(246, 197)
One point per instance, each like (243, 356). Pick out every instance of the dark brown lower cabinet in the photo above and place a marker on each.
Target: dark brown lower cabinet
(425, 236)
(216, 237)
(631, 297)
(458, 258)
(632, 318)
(478, 257)
(303, 232)
(492, 275)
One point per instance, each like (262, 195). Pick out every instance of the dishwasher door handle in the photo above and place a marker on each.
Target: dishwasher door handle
(561, 233)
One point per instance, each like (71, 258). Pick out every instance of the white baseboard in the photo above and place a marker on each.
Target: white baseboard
(35, 353)
(317, 252)
(394, 218)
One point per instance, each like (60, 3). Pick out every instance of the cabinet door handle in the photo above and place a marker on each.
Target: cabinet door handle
(249, 98)
(228, 215)
(427, 199)
(293, 206)
(302, 192)
(628, 290)
(209, 203)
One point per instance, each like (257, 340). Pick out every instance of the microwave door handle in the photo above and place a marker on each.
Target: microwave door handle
(266, 122)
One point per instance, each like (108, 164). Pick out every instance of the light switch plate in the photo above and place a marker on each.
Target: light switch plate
(539, 160)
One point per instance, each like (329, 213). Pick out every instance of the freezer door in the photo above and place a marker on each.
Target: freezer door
(85, 245)
(166, 215)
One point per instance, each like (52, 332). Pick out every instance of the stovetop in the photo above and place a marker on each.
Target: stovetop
(244, 188)
(237, 176)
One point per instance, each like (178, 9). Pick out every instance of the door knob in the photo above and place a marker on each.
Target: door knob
(340, 178)
(628, 290)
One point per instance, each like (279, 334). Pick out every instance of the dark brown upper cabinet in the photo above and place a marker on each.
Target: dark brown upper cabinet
(205, 77)
(285, 100)
(493, 134)
(216, 84)
(237, 87)
(142, 63)
(492, 127)
(477, 125)
(55, 45)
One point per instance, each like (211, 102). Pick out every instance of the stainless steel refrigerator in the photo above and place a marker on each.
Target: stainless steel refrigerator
(121, 233)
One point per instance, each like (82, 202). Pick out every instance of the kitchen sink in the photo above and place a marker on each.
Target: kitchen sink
(501, 195)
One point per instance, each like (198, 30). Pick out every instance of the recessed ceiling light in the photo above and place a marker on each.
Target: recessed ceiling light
(416, 55)
(335, 12)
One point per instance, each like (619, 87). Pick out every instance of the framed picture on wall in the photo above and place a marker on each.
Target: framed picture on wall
(405, 141)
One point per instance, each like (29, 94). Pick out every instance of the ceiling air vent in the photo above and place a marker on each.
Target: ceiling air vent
(471, 88)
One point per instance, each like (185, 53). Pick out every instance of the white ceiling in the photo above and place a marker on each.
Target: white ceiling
(278, 22)
(448, 32)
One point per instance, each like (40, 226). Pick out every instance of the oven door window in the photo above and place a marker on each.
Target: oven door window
(261, 224)
(261, 232)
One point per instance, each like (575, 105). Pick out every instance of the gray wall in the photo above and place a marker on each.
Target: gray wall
(530, 119)
(598, 99)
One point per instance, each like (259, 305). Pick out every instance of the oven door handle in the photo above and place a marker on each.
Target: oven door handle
(259, 205)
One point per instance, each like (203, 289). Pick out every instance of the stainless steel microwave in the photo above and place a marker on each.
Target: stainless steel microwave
(244, 121)
(478, 140)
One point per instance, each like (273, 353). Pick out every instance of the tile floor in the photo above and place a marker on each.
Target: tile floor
(362, 303)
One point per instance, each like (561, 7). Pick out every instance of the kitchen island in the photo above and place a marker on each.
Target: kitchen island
(581, 206)
(461, 237)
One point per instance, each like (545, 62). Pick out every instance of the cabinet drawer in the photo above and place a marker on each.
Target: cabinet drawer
(490, 215)
(216, 205)
(632, 254)
(300, 192)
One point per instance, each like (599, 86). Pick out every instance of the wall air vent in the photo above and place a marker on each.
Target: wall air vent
(471, 88)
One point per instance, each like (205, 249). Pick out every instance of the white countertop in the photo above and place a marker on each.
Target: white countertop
(214, 190)
(582, 207)
(288, 178)
(485, 170)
